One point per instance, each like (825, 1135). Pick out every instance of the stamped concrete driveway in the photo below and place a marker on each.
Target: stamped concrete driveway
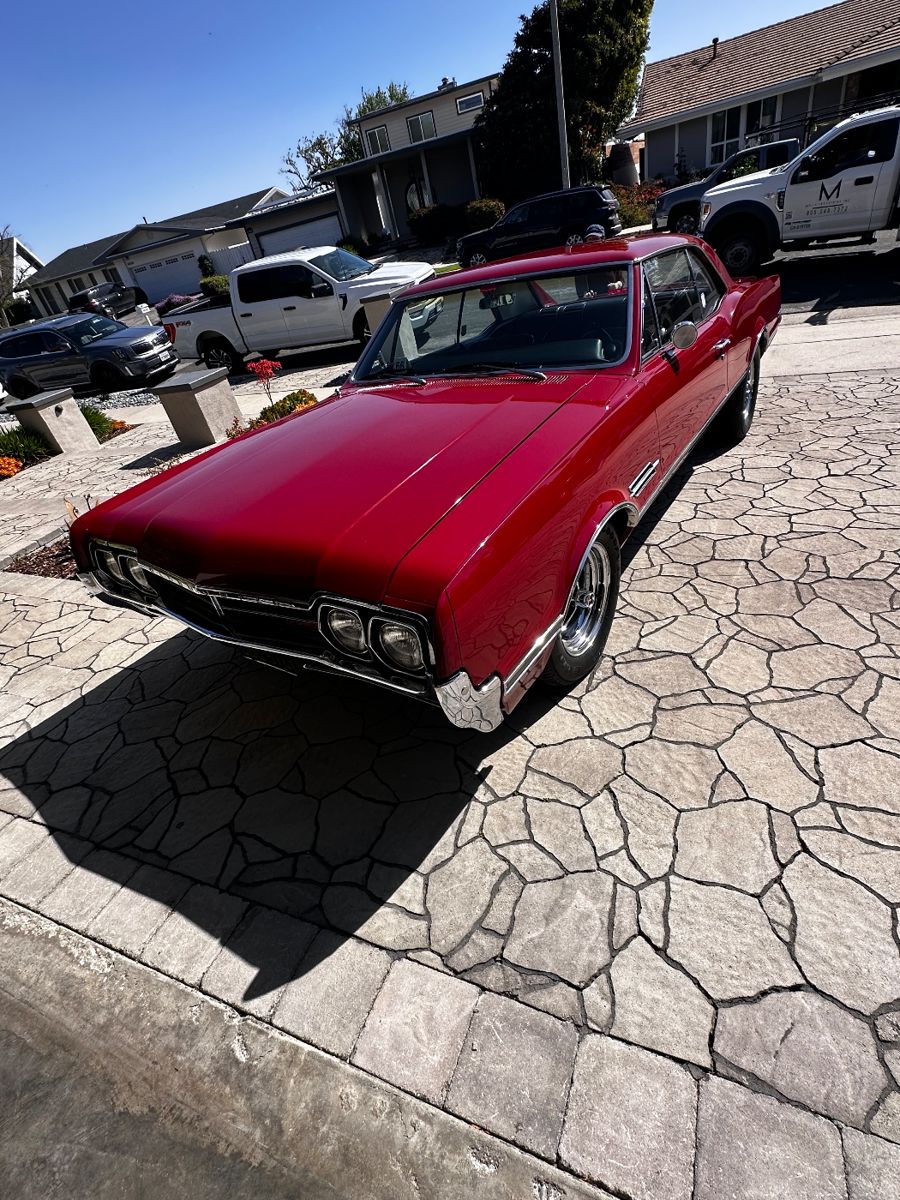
(648, 934)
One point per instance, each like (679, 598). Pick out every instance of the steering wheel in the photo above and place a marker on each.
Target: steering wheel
(610, 349)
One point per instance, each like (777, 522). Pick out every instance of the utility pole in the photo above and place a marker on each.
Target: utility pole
(560, 101)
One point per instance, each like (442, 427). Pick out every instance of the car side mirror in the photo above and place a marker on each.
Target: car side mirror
(803, 170)
(684, 335)
(321, 288)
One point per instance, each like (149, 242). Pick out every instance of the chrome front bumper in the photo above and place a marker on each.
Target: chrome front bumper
(464, 705)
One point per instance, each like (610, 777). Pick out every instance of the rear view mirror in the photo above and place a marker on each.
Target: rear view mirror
(684, 335)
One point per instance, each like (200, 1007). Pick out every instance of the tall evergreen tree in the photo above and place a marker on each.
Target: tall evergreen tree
(602, 44)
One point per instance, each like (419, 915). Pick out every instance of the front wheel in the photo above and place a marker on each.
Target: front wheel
(741, 251)
(361, 330)
(107, 379)
(685, 221)
(736, 416)
(475, 258)
(588, 615)
(222, 354)
(574, 239)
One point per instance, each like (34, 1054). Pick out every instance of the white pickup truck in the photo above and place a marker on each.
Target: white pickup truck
(304, 298)
(844, 185)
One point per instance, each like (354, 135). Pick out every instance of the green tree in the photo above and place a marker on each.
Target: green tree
(334, 147)
(602, 45)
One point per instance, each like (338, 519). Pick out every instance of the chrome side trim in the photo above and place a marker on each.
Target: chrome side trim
(469, 707)
(643, 478)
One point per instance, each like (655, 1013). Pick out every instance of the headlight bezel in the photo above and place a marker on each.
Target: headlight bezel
(374, 619)
(381, 648)
(326, 612)
(119, 566)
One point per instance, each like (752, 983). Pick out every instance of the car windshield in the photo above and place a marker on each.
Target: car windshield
(92, 329)
(579, 318)
(342, 265)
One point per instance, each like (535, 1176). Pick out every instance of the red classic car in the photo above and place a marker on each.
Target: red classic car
(448, 525)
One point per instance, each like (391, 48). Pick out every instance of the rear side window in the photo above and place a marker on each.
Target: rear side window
(25, 346)
(8, 348)
(275, 283)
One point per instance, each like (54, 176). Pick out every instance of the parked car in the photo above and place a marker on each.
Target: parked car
(678, 209)
(448, 526)
(84, 353)
(554, 219)
(304, 298)
(846, 184)
(110, 299)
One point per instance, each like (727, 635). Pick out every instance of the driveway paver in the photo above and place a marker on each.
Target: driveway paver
(690, 863)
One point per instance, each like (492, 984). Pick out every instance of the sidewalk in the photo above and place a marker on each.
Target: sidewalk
(847, 339)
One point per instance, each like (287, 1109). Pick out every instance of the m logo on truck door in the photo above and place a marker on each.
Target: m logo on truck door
(825, 195)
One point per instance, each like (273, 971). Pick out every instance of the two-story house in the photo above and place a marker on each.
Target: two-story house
(796, 78)
(415, 153)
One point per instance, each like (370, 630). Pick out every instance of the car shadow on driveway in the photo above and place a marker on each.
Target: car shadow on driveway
(322, 800)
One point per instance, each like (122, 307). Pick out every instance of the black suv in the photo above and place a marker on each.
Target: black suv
(110, 299)
(554, 219)
(86, 353)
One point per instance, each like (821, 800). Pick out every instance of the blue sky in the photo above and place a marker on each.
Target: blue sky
(120, 112)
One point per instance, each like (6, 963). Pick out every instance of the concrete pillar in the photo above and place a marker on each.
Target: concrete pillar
(56, 418)
(200, 405)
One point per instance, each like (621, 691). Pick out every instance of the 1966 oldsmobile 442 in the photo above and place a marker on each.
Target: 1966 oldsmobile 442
(449, 524)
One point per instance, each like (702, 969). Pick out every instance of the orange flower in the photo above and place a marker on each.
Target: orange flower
(9, 467)
(118, 424)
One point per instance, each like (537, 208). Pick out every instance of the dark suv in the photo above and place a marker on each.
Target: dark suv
(555, 219)
(87, 353)
(110, 299)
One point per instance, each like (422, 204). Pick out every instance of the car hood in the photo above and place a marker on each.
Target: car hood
(389, 277)
(333, 498)
(126, 337)
(687, 191)
(743, 183)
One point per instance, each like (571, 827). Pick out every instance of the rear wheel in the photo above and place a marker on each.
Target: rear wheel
(588, 615)
(741, 249)
(21, 389)
(574, 239)
(475, 258)
(218, 353)
(361, 330)
(736, 417)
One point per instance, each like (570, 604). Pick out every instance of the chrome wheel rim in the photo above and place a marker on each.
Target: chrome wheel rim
(749, 398)
(477, 259)
(218, 356)
(574, 239)
(686, 225)
(587, 604)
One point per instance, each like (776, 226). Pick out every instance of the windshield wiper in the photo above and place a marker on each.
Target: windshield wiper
(496, 368)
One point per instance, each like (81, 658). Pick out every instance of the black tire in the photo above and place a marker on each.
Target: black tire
(107, 379)
(588, 616)
(741, 249)
(734, 421)
(685, 220)
(475, 257)
(21, 389)
(573, 238)
(361, 330)
(217, 352)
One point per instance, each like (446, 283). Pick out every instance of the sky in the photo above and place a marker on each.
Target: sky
(116, 113)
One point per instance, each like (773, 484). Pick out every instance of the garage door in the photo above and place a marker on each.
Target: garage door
(326, 231)
(175, 273)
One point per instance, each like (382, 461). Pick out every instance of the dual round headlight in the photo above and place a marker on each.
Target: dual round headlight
(396, 643)
(124, 568)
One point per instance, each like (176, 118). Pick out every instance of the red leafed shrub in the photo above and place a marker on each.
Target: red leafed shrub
(636, 202)
(264, 369)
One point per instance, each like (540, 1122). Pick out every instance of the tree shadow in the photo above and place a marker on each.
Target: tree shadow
(319, 799)
(829, 280)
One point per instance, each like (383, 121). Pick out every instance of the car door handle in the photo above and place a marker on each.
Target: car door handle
(720, 347)
(246, 314)
(289, 308)
(863, 179)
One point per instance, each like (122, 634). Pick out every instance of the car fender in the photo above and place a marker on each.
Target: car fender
(753, 209)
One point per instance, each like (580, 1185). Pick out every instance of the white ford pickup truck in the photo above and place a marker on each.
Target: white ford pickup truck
(304, 298)
(844, 185)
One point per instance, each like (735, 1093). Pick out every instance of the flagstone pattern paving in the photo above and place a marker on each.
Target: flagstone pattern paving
(649, 933)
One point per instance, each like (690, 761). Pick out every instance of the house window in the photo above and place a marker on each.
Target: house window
(470, 103)
(421, 127)
(761, 115)
(378, 139)
(76, 284)
(724, 134)
(91, 277)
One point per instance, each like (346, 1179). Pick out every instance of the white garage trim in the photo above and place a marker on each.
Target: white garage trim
(320, 231)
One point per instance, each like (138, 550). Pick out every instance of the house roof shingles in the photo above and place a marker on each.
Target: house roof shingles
(776, 54)
(77, 259)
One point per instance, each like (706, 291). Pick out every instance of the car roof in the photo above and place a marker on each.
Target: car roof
(632, 248)
(301, 254)
(50, 323)
(588, 187)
